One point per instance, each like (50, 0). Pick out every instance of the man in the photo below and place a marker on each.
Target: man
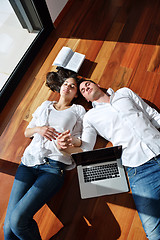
(123, 118)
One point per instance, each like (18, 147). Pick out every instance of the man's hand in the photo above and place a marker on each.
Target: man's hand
(64, 140)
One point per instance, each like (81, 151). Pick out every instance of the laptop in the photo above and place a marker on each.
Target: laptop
(100, 172)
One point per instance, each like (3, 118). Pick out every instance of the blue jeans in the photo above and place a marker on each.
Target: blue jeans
(32, 188)
(145, 185)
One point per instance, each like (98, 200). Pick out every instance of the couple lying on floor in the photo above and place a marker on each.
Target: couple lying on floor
(62, 127)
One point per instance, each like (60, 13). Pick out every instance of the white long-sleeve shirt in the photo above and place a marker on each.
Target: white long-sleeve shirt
(128, 121)
(46, 115)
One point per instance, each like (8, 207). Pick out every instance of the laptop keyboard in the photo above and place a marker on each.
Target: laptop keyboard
(101, 172)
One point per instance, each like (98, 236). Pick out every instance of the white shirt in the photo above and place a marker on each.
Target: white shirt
(128, 121)
(46, 115)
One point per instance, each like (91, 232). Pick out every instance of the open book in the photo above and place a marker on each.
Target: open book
(69, 59)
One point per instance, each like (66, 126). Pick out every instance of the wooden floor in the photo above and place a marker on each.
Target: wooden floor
(120, 39)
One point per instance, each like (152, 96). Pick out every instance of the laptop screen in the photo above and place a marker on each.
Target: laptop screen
(97, 155)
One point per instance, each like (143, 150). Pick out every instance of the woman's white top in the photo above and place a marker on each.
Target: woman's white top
(46, 115)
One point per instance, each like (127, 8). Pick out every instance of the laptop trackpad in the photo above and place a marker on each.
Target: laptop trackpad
(103, 188)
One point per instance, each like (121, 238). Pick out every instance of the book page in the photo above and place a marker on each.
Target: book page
(63, 57)
(75, 62)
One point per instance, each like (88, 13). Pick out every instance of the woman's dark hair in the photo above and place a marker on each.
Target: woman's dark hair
(54, 80)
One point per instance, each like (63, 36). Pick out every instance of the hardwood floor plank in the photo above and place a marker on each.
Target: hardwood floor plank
(91, 52)
(136, 232)
(132, 55)
(5, 190)
(106, 51)
(156, 100)
(46, 217)
(136, 25)
(110, 71)
(96, 27)
(122, 78)
(13, 141)
(102, 60)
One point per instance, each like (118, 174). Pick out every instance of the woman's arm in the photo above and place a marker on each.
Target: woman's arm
(45, 131)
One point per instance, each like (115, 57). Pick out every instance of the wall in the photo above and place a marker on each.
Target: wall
(55, 7)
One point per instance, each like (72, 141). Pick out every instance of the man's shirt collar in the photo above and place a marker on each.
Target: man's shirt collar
(110, 91)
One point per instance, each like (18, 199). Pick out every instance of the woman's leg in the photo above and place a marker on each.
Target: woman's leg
(23, 181)
(145, 186)
(45, 186)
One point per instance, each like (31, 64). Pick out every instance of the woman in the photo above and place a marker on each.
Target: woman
(41, 172)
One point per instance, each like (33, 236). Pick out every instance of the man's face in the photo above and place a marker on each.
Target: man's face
(89, 90)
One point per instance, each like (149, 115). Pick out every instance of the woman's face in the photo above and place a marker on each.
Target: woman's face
(69, 88)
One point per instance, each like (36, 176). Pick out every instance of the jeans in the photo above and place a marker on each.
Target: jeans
(32, 188)
(145, 185)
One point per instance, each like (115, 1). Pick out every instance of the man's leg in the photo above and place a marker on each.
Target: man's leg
(145, 185)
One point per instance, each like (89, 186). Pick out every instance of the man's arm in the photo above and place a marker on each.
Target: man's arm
(89, 135)
(151, 113)
(88, 140)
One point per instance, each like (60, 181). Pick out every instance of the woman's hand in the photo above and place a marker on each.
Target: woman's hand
(45, 131)
(48, 132)
(65, 140)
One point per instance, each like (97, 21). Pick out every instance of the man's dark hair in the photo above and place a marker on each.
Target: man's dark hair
(84, 80)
